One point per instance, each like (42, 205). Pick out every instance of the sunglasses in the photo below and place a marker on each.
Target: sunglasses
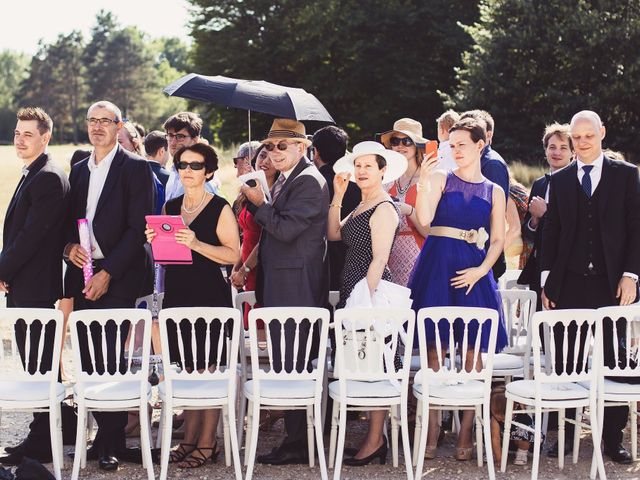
(192, 165)
(237, 160)
(395, 141)
(282, 146)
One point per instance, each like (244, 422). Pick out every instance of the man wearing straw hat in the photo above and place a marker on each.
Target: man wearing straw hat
(292, 266)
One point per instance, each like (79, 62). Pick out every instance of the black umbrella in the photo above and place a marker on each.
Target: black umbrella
(251, 95)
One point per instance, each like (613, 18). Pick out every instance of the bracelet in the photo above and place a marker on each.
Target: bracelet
(335, 205)
(412, 209)
(420, 186)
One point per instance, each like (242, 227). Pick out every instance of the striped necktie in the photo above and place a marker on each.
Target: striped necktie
(277, 187)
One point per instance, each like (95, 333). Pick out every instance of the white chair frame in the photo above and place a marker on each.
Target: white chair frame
(219, 381)
(269, 380)
(86, 382)
(41, 392)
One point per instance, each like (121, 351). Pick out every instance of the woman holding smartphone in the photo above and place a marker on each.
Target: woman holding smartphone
(211, 233)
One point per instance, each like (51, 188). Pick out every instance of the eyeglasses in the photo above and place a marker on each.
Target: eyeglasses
(395, 141)
(282, 146)
(104, 122)
(237, 160)
(192, 165)
(176, 136)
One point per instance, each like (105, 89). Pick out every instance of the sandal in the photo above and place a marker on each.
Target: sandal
(430, 452)
(196, 462)
(464, 453)
(180, 453)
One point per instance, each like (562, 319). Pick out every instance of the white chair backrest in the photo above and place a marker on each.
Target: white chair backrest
(518, 307)
(509, 280)
(29, 319)
(245, 298)
(334, 299)
(624, 339)
(572, 355)
(446, 321)
(95, 324)
(221, 352)
(292, 360)
(369, 339)
(151, 303)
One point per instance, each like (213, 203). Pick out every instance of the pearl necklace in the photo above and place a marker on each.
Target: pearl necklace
(204, 195)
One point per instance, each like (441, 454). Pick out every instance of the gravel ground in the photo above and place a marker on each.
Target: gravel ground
(15, 426)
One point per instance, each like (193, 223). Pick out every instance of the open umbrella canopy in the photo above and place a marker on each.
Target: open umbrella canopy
(252, 95)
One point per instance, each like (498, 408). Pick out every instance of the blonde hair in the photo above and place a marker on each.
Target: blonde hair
(447, 120)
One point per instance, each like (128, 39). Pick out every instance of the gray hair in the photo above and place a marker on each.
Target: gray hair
(248, 149)
(588, 115)
(109, 106)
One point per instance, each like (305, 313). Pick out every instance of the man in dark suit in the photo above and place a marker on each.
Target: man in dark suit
(558, 151)
(114, 190)
(591, 247)
(292, 269)
(328, 145)
(30, 262)
(156, 149)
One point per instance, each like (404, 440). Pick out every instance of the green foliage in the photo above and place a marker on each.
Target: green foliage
(369, 62)
(536, 62)
(13, 69)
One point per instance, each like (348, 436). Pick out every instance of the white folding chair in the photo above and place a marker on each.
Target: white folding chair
(125, 388)
(285, 384)
(509, 280)
(367, 341)
(193, 389)
(625, 344)
(554, 389)
(23, 385)
(334, 299)
(455, 388)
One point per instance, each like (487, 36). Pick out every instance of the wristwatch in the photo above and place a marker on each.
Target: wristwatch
(246, 269)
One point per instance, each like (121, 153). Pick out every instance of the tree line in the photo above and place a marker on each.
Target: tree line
(370, 62)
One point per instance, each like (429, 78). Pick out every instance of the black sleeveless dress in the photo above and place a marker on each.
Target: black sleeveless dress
(200, 284)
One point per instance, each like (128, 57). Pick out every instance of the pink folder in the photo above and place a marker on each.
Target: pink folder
(165, 249)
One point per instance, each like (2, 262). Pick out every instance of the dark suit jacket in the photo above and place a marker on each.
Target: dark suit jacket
(31, 259)
(619, 205)
(161, 173)
(293, 267)
(531, 273)
(118, 225)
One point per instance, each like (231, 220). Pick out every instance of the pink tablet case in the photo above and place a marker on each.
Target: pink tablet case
(165, 249)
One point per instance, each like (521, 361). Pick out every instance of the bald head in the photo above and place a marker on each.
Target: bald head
(587, 133)
(589, 116)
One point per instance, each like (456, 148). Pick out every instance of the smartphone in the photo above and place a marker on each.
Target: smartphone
(431, 147)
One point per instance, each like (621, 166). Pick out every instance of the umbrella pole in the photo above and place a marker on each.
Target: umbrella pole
(249, 122)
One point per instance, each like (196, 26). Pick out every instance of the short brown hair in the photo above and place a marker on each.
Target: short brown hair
(472, 125)
(188, 120)
(45, 124)
(481, 115)
(447, 119)
(559, 129)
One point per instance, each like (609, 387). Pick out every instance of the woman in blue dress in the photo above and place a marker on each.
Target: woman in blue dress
(452, 271)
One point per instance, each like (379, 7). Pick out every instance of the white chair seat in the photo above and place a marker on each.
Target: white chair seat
(470, 389)
(282, 389)
(549, 391)
(112, 391)
(196, 389)
(28, 391)
(506, 361)
(619, 388)
(355, 388)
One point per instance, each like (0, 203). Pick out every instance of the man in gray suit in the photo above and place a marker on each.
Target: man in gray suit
(292, 268)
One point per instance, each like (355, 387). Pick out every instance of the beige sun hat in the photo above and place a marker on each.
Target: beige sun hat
(408, 126)
(396, 162)
(287, 129)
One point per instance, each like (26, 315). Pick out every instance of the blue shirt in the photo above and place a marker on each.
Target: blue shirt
(494, 168)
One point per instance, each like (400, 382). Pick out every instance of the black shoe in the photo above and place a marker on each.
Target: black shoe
(16, 457)
(568, 448)
(286, 454)
(107, 460)
(12, 459)
(18, 448)
(618, 454)
(380, 453)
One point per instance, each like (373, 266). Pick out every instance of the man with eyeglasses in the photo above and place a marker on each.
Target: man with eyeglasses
(292, 266)
(182, 130)
(114, 190)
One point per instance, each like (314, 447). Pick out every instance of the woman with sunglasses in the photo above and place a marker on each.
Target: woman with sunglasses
(406, 138)
(211, 233)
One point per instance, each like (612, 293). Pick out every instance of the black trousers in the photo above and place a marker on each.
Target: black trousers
(110, 424)
(590, 291)
(38, 441)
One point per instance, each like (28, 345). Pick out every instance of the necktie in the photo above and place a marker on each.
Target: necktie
(586, 180)
(277, 187)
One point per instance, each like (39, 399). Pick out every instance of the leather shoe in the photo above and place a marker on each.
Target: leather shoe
(18, 448)
(568, 448)
(285, 454)
(107, 460)
(16, 457)
(618, 454)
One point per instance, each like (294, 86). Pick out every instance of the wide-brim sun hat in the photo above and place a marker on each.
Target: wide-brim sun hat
(287, 129)
(396, 162)
(407, 126)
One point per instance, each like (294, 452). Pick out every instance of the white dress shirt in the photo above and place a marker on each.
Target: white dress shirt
(174, 187)
(445, 156)
(97, 176)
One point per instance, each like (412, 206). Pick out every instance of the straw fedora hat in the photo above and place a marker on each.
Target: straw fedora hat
(287, 129)
(408, 126)
(396, 162)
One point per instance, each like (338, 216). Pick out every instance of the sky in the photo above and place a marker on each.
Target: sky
(24, 22)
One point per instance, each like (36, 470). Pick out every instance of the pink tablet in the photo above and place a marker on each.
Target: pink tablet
(165, 249)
